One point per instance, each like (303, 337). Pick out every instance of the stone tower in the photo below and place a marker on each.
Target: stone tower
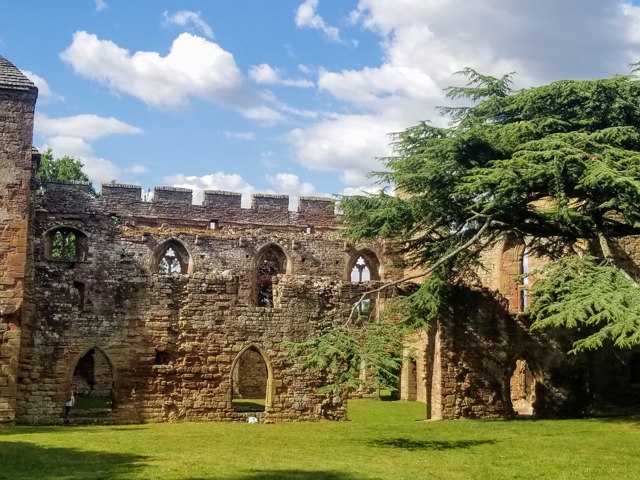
(17, 104)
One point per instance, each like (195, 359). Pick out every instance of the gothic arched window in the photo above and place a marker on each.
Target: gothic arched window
(363, 267)
(173, 259)
(271, 261)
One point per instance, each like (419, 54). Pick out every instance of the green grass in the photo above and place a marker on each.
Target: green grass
(382, 440)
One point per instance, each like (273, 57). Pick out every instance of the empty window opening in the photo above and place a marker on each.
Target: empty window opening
(523, 389)
(364, 307)
(249, 382)
(114, 220)
(360, 271)
(310, 229)
(270, 263)
(162, 357)
(173, 260)
(78, 294)
(92, 385)
(65, 244)
(214, 224)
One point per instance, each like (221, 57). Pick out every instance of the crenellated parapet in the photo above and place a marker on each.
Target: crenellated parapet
(168, 203)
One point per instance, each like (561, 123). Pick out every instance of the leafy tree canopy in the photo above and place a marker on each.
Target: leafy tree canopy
(556, 165)
(63, 169)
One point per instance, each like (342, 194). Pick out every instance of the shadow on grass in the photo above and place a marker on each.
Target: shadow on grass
(52, 429)
(285, 475)
(24, 460)
(414, 445)
(628, 419)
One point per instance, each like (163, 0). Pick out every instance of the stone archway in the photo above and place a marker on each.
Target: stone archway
(250, 381)
(522, 388)
(93, 385)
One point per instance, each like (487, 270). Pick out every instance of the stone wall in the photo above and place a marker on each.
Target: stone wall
(174, 340)
(17, 162)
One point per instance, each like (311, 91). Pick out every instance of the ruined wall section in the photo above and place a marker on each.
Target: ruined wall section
(17, 103)
(173, 340)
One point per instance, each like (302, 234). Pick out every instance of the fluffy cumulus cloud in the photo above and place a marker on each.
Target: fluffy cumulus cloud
(307, 16)
(194, 67)
(214, 181)
(72, 136)
(189, 19)
(424, 42)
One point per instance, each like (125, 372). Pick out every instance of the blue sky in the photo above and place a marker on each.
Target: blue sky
(280, 96)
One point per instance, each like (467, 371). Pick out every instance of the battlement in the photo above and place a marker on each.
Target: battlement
(175, 202)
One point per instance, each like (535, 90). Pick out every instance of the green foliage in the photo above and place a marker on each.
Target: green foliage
(61, 169)
(596, 299)
(63, 245)
(342, 353)
(556, 165)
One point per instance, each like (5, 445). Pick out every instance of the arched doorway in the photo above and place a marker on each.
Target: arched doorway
(250, 381)
(92, 384)
(522, 387)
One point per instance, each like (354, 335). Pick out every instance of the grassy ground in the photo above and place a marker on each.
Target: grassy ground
(382, 440)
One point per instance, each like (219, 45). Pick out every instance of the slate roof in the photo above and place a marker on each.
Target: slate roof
(12, 78)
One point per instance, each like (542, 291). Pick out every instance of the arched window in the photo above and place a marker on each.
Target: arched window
(360, 271)
(173, 259)
(514, 268)
(67, 244)
(524, 279)
(270, 262)
(364, 266)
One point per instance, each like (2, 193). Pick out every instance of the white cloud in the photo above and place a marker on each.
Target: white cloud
(213, 181)
(194, 67)
(290, 184)
(186, 18)
(72, 136)
(98, 169)
(263, 114)
(137, 169)
(306, 16)
(86, 126)
(424, 42)
(265, 74)
(45, 94)
(246, 136)
(100, 5)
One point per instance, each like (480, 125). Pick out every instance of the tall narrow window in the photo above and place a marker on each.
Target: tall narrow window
(524, 285)
(272, 261)
(513, 273)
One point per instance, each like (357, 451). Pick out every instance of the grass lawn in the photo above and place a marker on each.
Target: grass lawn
(382, 440)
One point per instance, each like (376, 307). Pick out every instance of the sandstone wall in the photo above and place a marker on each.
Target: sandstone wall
(173, 340)
(17, 103)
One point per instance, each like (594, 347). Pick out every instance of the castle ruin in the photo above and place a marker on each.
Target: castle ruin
(163, 310)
